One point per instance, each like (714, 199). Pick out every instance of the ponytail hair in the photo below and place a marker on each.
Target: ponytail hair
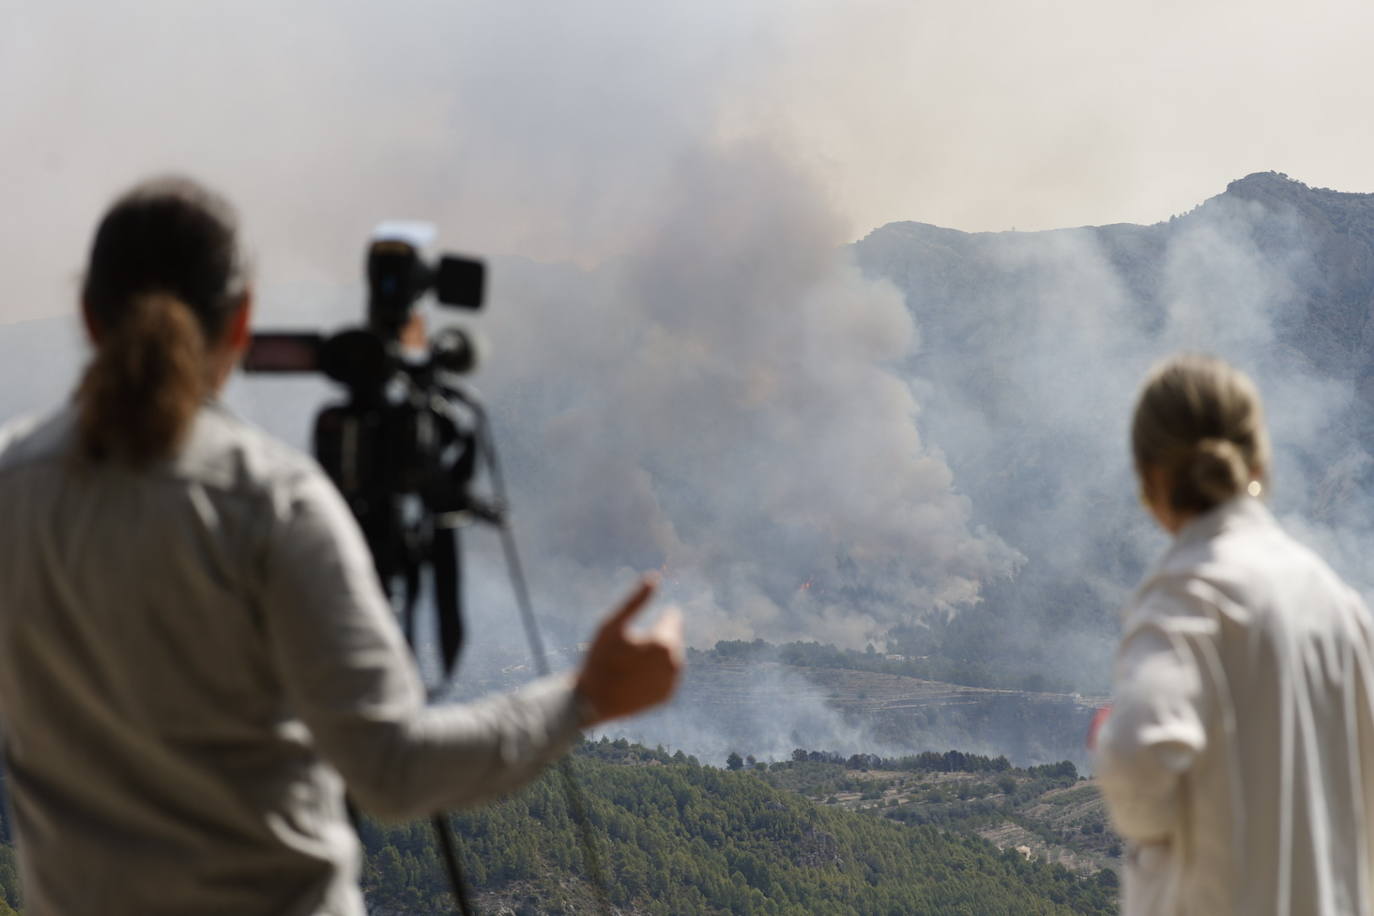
(1201, 421)
(165, 275)
(145, 384)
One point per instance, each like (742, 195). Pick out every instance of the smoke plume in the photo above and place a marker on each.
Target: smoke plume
(691, 371)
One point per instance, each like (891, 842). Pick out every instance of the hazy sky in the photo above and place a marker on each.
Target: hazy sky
(554, 130)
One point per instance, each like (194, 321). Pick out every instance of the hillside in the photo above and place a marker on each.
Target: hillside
(1043, 812)
(1031, 345)
(682, 838)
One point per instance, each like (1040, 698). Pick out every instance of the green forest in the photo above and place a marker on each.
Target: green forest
(679, 837)
(814, 834)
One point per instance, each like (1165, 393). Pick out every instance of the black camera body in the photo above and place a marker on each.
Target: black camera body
(404, 447)
(397, 276)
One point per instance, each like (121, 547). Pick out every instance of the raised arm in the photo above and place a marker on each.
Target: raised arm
(350, 677)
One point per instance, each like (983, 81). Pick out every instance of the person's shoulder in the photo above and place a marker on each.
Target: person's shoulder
(1252, 569)
(227, 453)
(35, 438)
(1174, 599)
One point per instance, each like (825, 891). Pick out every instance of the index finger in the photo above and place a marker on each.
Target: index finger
(636, 601)
(668, 632)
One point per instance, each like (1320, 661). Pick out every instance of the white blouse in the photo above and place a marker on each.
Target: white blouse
(1238, 759)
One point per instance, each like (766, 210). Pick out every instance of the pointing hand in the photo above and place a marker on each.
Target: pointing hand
(624, 672)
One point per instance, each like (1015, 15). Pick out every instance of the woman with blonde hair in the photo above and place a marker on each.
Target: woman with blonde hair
(196, 656)
(1238, 759)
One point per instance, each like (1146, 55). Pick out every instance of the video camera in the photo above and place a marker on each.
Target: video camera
(404, 447)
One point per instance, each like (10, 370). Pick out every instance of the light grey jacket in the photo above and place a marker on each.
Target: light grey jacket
(1238, 760)
(190, 659)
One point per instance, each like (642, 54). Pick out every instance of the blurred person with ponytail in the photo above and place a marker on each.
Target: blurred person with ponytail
(196, 657)
(1237, 761)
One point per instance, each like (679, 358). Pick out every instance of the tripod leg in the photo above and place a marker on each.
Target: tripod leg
(448, 846)
(447, 564)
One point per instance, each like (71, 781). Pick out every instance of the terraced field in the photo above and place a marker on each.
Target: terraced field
(1045, 820)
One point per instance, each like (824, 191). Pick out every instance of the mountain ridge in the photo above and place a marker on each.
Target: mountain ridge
(1031, 344)
(1257, 186)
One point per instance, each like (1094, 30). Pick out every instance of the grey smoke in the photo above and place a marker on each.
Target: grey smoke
(723, 403)
(780, 711)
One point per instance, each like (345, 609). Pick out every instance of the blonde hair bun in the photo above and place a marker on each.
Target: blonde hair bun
(1200, 420)
(1217, 470)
